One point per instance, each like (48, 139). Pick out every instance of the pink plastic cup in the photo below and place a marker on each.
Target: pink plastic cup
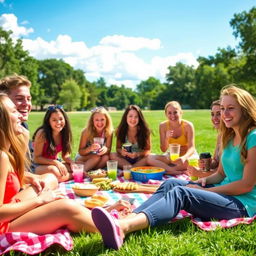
(78, 172)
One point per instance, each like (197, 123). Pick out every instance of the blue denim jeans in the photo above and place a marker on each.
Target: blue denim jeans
(173, 196)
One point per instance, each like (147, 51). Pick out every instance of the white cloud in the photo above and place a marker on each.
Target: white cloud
(1, 1)
(10, 22)
(114, 58)
(125, 43)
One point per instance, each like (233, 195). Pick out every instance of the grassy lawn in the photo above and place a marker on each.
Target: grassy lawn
(179, 238)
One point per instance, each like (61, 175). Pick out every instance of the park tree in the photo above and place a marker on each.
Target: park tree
(14, 59)
(179, 86)
(70, 95)
(52, 74)
(244, 26)
(101, 90)
(148, 90)
(209, 81)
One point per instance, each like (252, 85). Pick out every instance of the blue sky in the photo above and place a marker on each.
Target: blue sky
(123, 41)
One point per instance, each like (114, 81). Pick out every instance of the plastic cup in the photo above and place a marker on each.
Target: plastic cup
(112, 169)
(78, 172)
(174, 151)
(193, 162)
(127, 172)
(128, 147)
(99, 141)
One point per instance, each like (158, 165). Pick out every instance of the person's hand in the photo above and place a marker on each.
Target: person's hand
(124, 152)
(62, 168)
(95, 147)
(197, 186)
(38, 183)
(201, 181)
(102, 151)
(123, 208)
(47, 195)
(169, 134)
(132, 155)
(180, 161)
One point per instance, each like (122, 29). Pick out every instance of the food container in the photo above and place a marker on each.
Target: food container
(100, 173)
(85, 189)
(145, 173)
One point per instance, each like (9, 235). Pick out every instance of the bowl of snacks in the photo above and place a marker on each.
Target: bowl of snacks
(85, 189)
(145, 173)
(99, 173)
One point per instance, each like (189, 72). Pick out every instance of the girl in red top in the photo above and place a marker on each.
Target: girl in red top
(48, 142)
(29, 211)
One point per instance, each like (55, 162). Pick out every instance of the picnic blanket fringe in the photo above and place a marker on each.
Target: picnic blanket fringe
(31, 243)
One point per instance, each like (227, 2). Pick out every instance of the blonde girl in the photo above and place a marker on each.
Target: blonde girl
(93, 154)
(174, 130)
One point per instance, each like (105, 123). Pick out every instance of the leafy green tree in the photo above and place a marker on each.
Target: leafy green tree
(52, 74)
(70, 95)
(180, 86)
(148, 90)
(14, 59)
(244, 26)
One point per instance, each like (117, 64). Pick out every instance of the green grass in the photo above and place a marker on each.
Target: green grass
(179, 238)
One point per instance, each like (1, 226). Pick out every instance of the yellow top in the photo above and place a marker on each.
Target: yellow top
(182, 139)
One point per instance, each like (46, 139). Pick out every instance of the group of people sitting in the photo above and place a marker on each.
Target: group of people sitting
(229, 192)
(54, 136)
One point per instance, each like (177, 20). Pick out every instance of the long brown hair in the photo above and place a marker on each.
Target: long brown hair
(248, 121)
(66, 133)
(143, 131)
(18, 146)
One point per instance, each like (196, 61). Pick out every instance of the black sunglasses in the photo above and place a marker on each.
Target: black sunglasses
(53, 107)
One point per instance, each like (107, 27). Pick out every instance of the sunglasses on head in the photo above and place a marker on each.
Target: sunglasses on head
(53, 107)
(97, 108)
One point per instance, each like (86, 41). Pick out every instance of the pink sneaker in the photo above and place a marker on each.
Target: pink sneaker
(109, 229)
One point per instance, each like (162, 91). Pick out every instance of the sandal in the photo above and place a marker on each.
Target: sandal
(107, 226)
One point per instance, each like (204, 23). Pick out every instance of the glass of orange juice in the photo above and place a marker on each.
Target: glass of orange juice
(174, 151)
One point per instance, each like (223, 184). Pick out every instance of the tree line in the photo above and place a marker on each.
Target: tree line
(55, 81)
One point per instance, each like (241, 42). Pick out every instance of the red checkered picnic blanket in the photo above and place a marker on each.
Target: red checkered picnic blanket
(140, 198)
(31, 243)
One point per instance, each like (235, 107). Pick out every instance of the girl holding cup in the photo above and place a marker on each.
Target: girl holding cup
(96, 140)
(49, 141)
(134, 130)
(175, 130)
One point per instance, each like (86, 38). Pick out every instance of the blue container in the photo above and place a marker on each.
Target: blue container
(144, 177)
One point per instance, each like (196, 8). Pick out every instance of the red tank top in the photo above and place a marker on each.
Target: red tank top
(47, 155)
(11, 189)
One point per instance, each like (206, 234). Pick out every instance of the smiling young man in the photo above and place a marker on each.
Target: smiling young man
(17, 87)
